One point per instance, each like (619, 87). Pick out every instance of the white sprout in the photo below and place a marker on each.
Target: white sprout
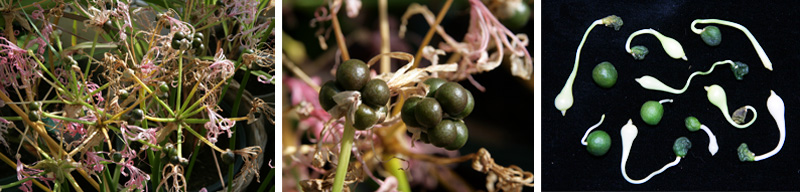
(776, 109)
(583, 140)
(712, 140)
(671, 46)
(564, 99)
(759, 50)
(629, 132)
(651, 83)
(716, 95)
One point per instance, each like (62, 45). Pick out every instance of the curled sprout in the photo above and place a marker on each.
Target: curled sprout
(694, 125)
(648, 82)
(629, 132)
(583, 140)
(759, 50)
(671, 46)
(776, 109)
(716, 95)
(564, 99)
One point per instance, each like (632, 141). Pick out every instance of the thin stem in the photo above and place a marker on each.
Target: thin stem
(339, 37)
(385, 43)
(89, 61)
(430, 33)
(202, 138)
(266, 181)
(344, 156)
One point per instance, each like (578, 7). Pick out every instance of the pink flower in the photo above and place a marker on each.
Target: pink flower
(221, 68)
(92, 161)
(4, 125)
(135, 133)
(263, 79)
(138, 177)
(216, 125)
(22, 171)
(16, 69)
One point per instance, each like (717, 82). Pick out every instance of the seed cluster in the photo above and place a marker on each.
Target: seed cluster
(440, 113)
(353, 75)
(194, 41)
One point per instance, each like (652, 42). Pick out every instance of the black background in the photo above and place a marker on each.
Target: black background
(566, 165)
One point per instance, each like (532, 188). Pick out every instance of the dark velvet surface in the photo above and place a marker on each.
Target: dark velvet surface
(566, 165)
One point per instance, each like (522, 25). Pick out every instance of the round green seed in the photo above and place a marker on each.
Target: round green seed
(681, 146)
(692, 123)
(407, 112)
(711, 35)
(598, 143)
(605, 75)
(651, 112)
(443, 134)
(428, 112)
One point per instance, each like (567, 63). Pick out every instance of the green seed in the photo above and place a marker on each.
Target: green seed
(326, 93)
(178, 36)
(352, 74)
(228, 157)
(123, 94)
(462, 134)
(199, 35)
(34, 106)
(598, 143)
(651, 112)
(169, 149)
(681, 146)
(639, 52)
(443, 134)
(745, 154)
(197, 42)
(163, 86)
(137, 114)
(175, 160)
(739, 70)
(433, 85)
(116, 156)
(34, 115)
(175, 43)
(467, 110)
(428, 112)
(407, 112)
(605, 75)
(692, 123)
(711, 35)
(365, 117)
(453, 98)
(519, 14)
(375, 93)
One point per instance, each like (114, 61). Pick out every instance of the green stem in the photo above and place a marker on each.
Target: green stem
(266, 181)
(46, 114)
(14, 184)
(394, 167)
(344, 156)
(235, 112)
(89, 60)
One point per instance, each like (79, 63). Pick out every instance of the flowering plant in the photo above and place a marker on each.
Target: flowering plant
(91, 90)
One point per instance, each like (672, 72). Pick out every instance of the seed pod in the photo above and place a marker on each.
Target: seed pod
(365, 117)
(375, 93)
(326, 93)
(407, 112)
(433, 85)
(352, 74)
(443, 134)
(462, 134)
(452, 97)
(428, 112)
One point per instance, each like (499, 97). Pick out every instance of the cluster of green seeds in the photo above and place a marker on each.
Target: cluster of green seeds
(439, 114)
(353, 75)
(195, 40)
